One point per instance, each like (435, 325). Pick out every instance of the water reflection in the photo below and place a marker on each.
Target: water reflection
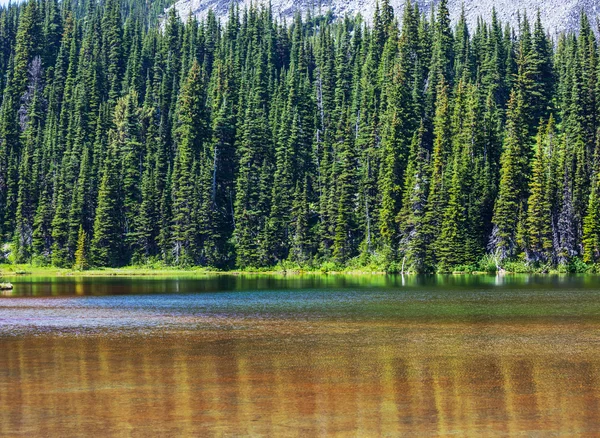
(301, 356)
(325, 383)
(70, 286)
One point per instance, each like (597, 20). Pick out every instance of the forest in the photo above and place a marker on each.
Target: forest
(408, 143)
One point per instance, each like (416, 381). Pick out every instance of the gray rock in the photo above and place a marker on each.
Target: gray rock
(557, 16)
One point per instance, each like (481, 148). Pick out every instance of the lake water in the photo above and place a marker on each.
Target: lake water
(301, 356)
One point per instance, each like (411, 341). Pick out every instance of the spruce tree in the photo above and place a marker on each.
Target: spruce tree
(440, 169)
(345, 237)
(591, 228)
(253, 141)
(539, 216)
(414, 239)
(81, 258)
(191, 133)
(254, 161)
(513, 181)
(107, 245)
(457, 243)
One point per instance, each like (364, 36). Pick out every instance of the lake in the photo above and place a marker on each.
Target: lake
(300, 356)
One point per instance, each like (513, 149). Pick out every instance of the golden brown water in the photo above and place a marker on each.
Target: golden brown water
(192, 368)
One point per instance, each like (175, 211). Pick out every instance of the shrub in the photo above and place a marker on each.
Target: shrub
(328, 267)
(517, 266)
(488, 263)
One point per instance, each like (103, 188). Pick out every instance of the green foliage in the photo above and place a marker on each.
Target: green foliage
(488, 263)
(190, 135)
(81, 256)
(591, 228)
(316, 145)
(539, 215)
(574, 266)
(517, 266)
(512, 193)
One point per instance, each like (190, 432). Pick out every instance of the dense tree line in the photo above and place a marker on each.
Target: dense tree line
(411, 143)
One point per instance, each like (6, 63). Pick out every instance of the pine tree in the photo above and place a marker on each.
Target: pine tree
(540, 73)
(513, 181)
(30, 116)
(253, 141)
(113, 41)
(539, 215)
(131, 157)
(345, 237)
(591, 228)
(395, 150)
(440, 169)
(277, 232)
(81, 258)
(42, 227)
(302, 244)
(191, 133)
(454, 245)
(566, 223)
(414, 239)
(254, 162)
(107, 244)
(442, 60)
(223, 169)
(80, 213)
(146, 224)
(13, 114)
(443, 47)
(60, 226)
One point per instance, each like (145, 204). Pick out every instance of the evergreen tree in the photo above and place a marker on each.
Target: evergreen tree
(191, 133)
(591, 228)
(81, 261)
(252, 142)
(440, 170)
(251, 205)
(107, 245)
(513, 181)
(539, 215)
(459, 241)
(345, 237)
(414, 239)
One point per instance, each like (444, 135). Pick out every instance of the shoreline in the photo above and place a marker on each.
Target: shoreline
(16, 271)
(133, 271)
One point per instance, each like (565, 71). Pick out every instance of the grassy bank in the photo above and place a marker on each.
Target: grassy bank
(486, 266)
(131, 271)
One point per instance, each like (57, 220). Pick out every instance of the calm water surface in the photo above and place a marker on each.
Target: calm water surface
(301, 356)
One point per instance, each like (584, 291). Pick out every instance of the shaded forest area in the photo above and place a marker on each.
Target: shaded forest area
(407, 144)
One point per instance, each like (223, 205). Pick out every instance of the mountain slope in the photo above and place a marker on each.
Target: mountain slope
(556, 16)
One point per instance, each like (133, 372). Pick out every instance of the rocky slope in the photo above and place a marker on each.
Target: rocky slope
(557, 16)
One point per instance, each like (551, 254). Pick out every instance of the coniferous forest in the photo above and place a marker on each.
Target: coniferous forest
(410, 143)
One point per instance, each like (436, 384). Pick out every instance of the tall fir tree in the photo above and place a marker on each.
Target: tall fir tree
(191, 134)
(513, 190)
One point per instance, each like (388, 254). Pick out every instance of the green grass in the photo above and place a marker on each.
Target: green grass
(20, 270)
(354, 267)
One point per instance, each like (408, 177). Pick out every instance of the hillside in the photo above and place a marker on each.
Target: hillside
(556, 16)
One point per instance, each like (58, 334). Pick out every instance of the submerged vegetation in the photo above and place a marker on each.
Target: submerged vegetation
(408, 145)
